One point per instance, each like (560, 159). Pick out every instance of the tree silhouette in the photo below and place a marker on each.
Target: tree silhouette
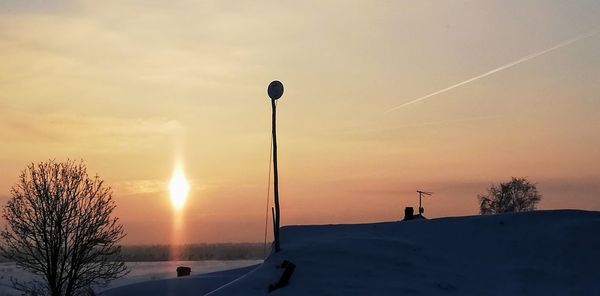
(60, 228)
(517, 195)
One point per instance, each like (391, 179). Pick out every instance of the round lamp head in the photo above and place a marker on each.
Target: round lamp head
(275, 90)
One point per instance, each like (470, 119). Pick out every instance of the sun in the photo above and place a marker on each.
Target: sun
(179, 188)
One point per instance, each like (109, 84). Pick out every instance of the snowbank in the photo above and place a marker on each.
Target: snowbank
(535, 253)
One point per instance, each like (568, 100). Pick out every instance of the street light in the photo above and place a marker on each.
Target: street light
(275, 91)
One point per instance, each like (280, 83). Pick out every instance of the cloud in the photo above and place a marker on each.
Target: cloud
(69, 129)
(29, 7)
(133, 187)
(152, 186)
(115, 55)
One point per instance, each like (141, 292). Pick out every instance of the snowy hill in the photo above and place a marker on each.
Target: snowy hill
(535, 253)
(183, 286)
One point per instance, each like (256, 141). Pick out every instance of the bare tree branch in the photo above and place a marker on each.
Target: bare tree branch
(60, 228)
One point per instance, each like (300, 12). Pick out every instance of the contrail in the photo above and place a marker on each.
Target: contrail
(521, 60)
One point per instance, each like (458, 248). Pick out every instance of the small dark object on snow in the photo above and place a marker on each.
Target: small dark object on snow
(283, 264)
(288, 270)
(183, 271)
(409, 213)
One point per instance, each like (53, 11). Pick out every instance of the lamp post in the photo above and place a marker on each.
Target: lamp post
(275, 91)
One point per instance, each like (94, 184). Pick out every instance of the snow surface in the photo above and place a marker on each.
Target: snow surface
(160, 274)
(143, 272)
(182, 286)
(534, 253)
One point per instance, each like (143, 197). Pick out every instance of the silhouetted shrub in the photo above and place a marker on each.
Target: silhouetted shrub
(517, 195)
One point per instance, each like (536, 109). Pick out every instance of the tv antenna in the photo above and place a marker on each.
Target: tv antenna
(421, 193)
(275, 91)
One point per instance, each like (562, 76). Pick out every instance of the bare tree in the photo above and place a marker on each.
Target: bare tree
(60, 228)
(517, 195)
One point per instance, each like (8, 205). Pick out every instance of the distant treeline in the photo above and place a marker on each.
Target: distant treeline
(195, 252)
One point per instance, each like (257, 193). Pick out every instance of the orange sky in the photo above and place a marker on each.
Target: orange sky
(133, 87)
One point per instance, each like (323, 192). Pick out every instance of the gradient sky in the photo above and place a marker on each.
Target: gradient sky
(132, 86)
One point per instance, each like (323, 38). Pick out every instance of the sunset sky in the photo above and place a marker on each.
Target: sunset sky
(133, 87)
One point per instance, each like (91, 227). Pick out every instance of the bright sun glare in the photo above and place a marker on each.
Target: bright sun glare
(178, 188)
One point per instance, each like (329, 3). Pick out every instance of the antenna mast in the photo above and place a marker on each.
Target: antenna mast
(421, 193)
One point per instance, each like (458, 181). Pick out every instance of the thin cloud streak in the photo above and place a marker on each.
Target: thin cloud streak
(509, 65)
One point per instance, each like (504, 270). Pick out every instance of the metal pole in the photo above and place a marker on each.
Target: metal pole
(275, 177)
(275, 91)
(420, 204)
